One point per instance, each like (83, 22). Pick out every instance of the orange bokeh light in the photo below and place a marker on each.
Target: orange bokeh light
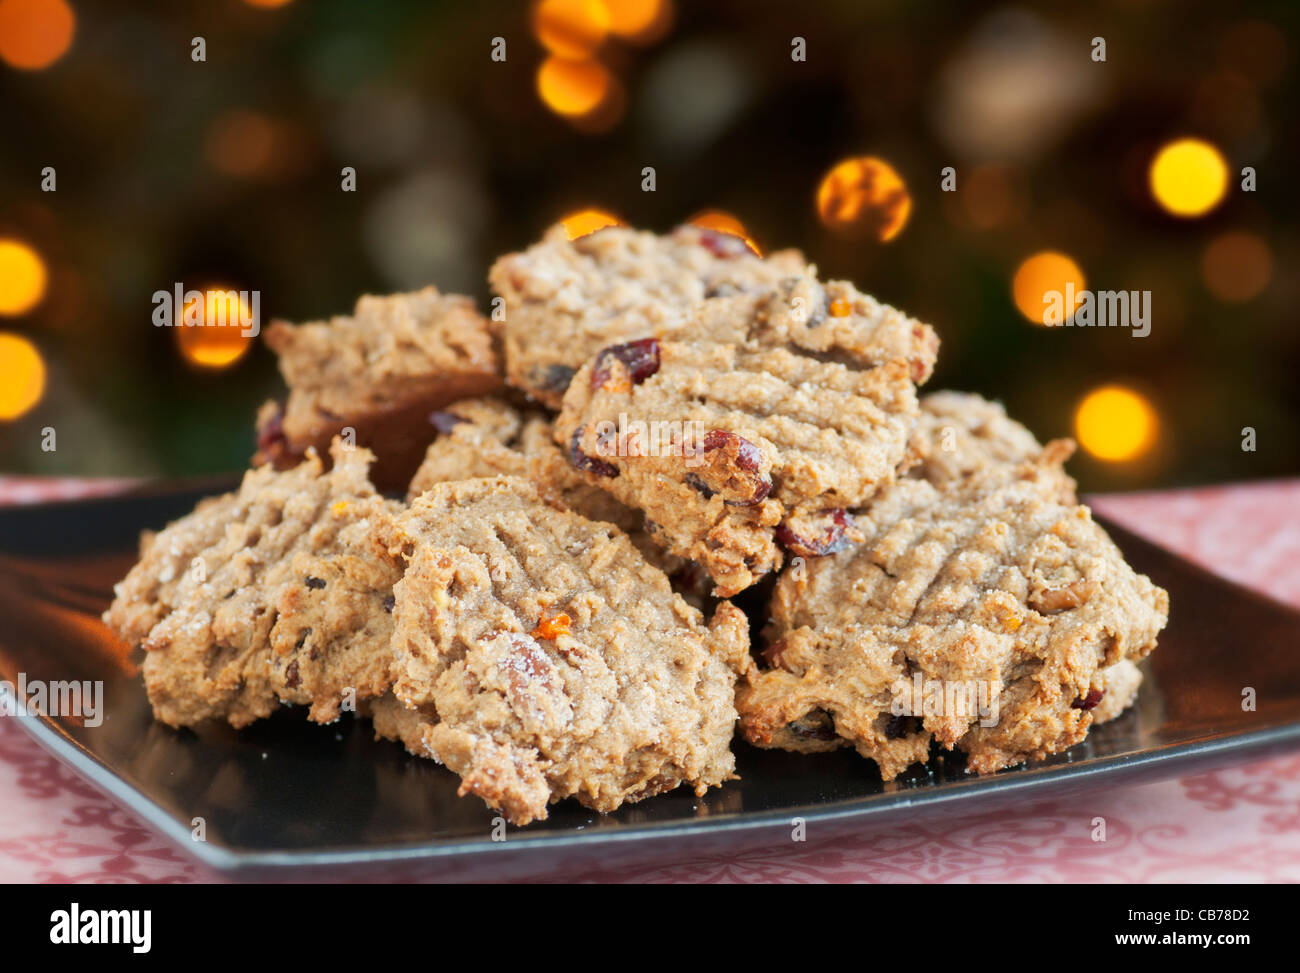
(35, 33)
(639, 21)
(1042, 274)
(573, 88)
(570, 28)
(864, 197)
(724, 222)
(217, 340)
(585, 221)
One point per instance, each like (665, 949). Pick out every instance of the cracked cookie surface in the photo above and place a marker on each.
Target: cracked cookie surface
(984, 611)
(545, 658)
(278, 592)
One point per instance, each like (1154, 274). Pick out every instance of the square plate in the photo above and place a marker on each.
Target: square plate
(285, 793)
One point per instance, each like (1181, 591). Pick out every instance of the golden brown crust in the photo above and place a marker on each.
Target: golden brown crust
(986, 590)
(557, 660)
(275, 593)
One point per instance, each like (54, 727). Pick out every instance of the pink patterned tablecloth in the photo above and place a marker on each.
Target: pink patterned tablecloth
(1238, 824)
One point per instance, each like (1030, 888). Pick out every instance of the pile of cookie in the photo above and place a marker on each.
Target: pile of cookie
(512, 541)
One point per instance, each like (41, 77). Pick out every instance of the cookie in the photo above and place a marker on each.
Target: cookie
(761, 431)
(281, 592)
(546, 658)
(984, 611)
(567, 299)
(379, 372)
(961, 434)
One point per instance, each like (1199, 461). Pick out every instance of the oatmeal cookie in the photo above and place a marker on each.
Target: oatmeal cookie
(547, 659)
(279, 592)
(960, 434)
(758, 434)
(985, 612)
(566, 299)
(380, 371)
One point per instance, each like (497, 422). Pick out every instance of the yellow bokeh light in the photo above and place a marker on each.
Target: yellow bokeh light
(217, 340)
(572, 88)
(1189, 177)
(1114, 423)
(22, 375)
(724, 222)
(22, 277)
(639, 21)
(267, 4)
(1236, 266)
(585, 221)
(1042, 275)
(35, 33)
(570, 28)
(864, 197)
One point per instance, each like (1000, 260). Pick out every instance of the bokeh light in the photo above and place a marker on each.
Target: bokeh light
(1041, 274)
(639, 21)
(267, 4)
(1115, 423)
(1236, 266)
(864, 197)
(22, 375)
(572, 88)
(724, 222)
(218, 340)
(35, 33)
(22, 277)
(1189, 177)
(585, 221)
(570, 29)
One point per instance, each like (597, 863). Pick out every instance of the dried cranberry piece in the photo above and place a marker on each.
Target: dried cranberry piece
(833, 533)
(901, 726)
(745, 457)
(582, 461)
(640, 358)
(445, 422)
(1086, 703)
(291, 677)
(748, 456)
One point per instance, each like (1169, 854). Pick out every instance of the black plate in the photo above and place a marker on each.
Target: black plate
(285, 792)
